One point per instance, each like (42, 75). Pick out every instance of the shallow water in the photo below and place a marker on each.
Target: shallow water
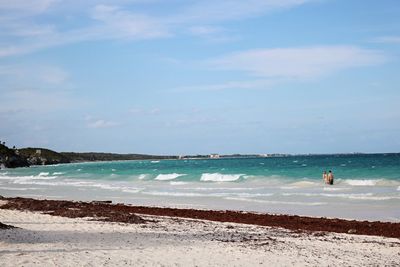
(366, 186)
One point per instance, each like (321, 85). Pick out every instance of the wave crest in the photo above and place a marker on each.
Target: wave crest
(218, 177)
(372, 182)
(169, 176)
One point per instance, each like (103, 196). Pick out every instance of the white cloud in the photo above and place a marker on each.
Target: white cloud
(205, 30)
(222, 10)
(29, 100)
(42, 75)
(213, 34)
(101, 124)
(193, 121)
(298, 63)
(142, 111)
(31, 30)
(95, 123)
(118, 19)
(387, 40)
(123, 24)
(53, 75)
(35, 89)
(28, 7)
(255, 84)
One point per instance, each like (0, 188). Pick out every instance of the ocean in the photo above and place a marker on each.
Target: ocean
(366, 186)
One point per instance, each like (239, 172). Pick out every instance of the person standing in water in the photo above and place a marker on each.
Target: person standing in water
(325, 177)
(330, 178)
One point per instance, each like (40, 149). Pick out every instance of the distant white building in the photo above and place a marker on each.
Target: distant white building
(214, 156)
(38, 152)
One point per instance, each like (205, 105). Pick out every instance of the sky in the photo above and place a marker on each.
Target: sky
(177, 77)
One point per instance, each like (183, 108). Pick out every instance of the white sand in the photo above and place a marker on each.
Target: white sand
(44, 240)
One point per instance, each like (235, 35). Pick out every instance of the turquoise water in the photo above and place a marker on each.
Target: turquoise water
(366, 186)
(380, 166)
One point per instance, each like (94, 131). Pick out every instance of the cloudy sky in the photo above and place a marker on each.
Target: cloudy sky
(201, 76)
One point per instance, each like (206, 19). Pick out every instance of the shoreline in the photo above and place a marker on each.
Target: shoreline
(127, 214)
(102, 234)
(201, 157)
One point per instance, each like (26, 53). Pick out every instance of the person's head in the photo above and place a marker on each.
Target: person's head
(330, 171)
(324, 171)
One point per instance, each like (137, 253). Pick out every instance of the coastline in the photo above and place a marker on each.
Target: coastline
(118, 213)
(85, 239)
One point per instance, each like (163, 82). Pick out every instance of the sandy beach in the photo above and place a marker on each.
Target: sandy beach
(48, 240)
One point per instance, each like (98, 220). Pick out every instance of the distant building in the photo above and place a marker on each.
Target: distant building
(38, 152)
(214, 156)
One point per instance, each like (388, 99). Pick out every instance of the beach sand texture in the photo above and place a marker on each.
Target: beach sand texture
(45, 240)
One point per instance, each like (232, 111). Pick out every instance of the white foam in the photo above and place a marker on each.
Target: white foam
(361, 182)
(59, 183)
(361, 196)
(196, 194)
(174, 194)
(58, 173)
(398, 188)
(17, 179)
(221, 188)
(277, 202)
(131, 190)
(169, 176)
(245, 195)
(327, 195)
(110, 187)
(302, 184)
(142, 176)
(43, 174)
(177, 183)
(336, 188)
(375, 197)
(371, 182)
(155, 161)
(19, 188)
(218, 177)
(288, 187)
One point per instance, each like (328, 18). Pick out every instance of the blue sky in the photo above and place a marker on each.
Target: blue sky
(201, 76)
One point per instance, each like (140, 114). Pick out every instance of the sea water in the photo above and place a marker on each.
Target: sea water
(366, 186)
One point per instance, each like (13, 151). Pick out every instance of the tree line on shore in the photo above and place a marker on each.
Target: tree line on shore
(24, 157)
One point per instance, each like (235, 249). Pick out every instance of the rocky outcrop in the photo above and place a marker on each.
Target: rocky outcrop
(9, 158)
(42, 156)
(13, 158)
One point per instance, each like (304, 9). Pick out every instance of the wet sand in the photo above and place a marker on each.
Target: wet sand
(65, 233)
(126, 214)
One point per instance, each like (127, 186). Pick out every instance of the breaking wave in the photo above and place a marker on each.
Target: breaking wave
(218, 177)
(166, 177)
(370, 182)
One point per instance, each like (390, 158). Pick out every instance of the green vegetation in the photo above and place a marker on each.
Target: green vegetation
(10, 159)
(42, 156)
(5, 151)
(95, 156)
